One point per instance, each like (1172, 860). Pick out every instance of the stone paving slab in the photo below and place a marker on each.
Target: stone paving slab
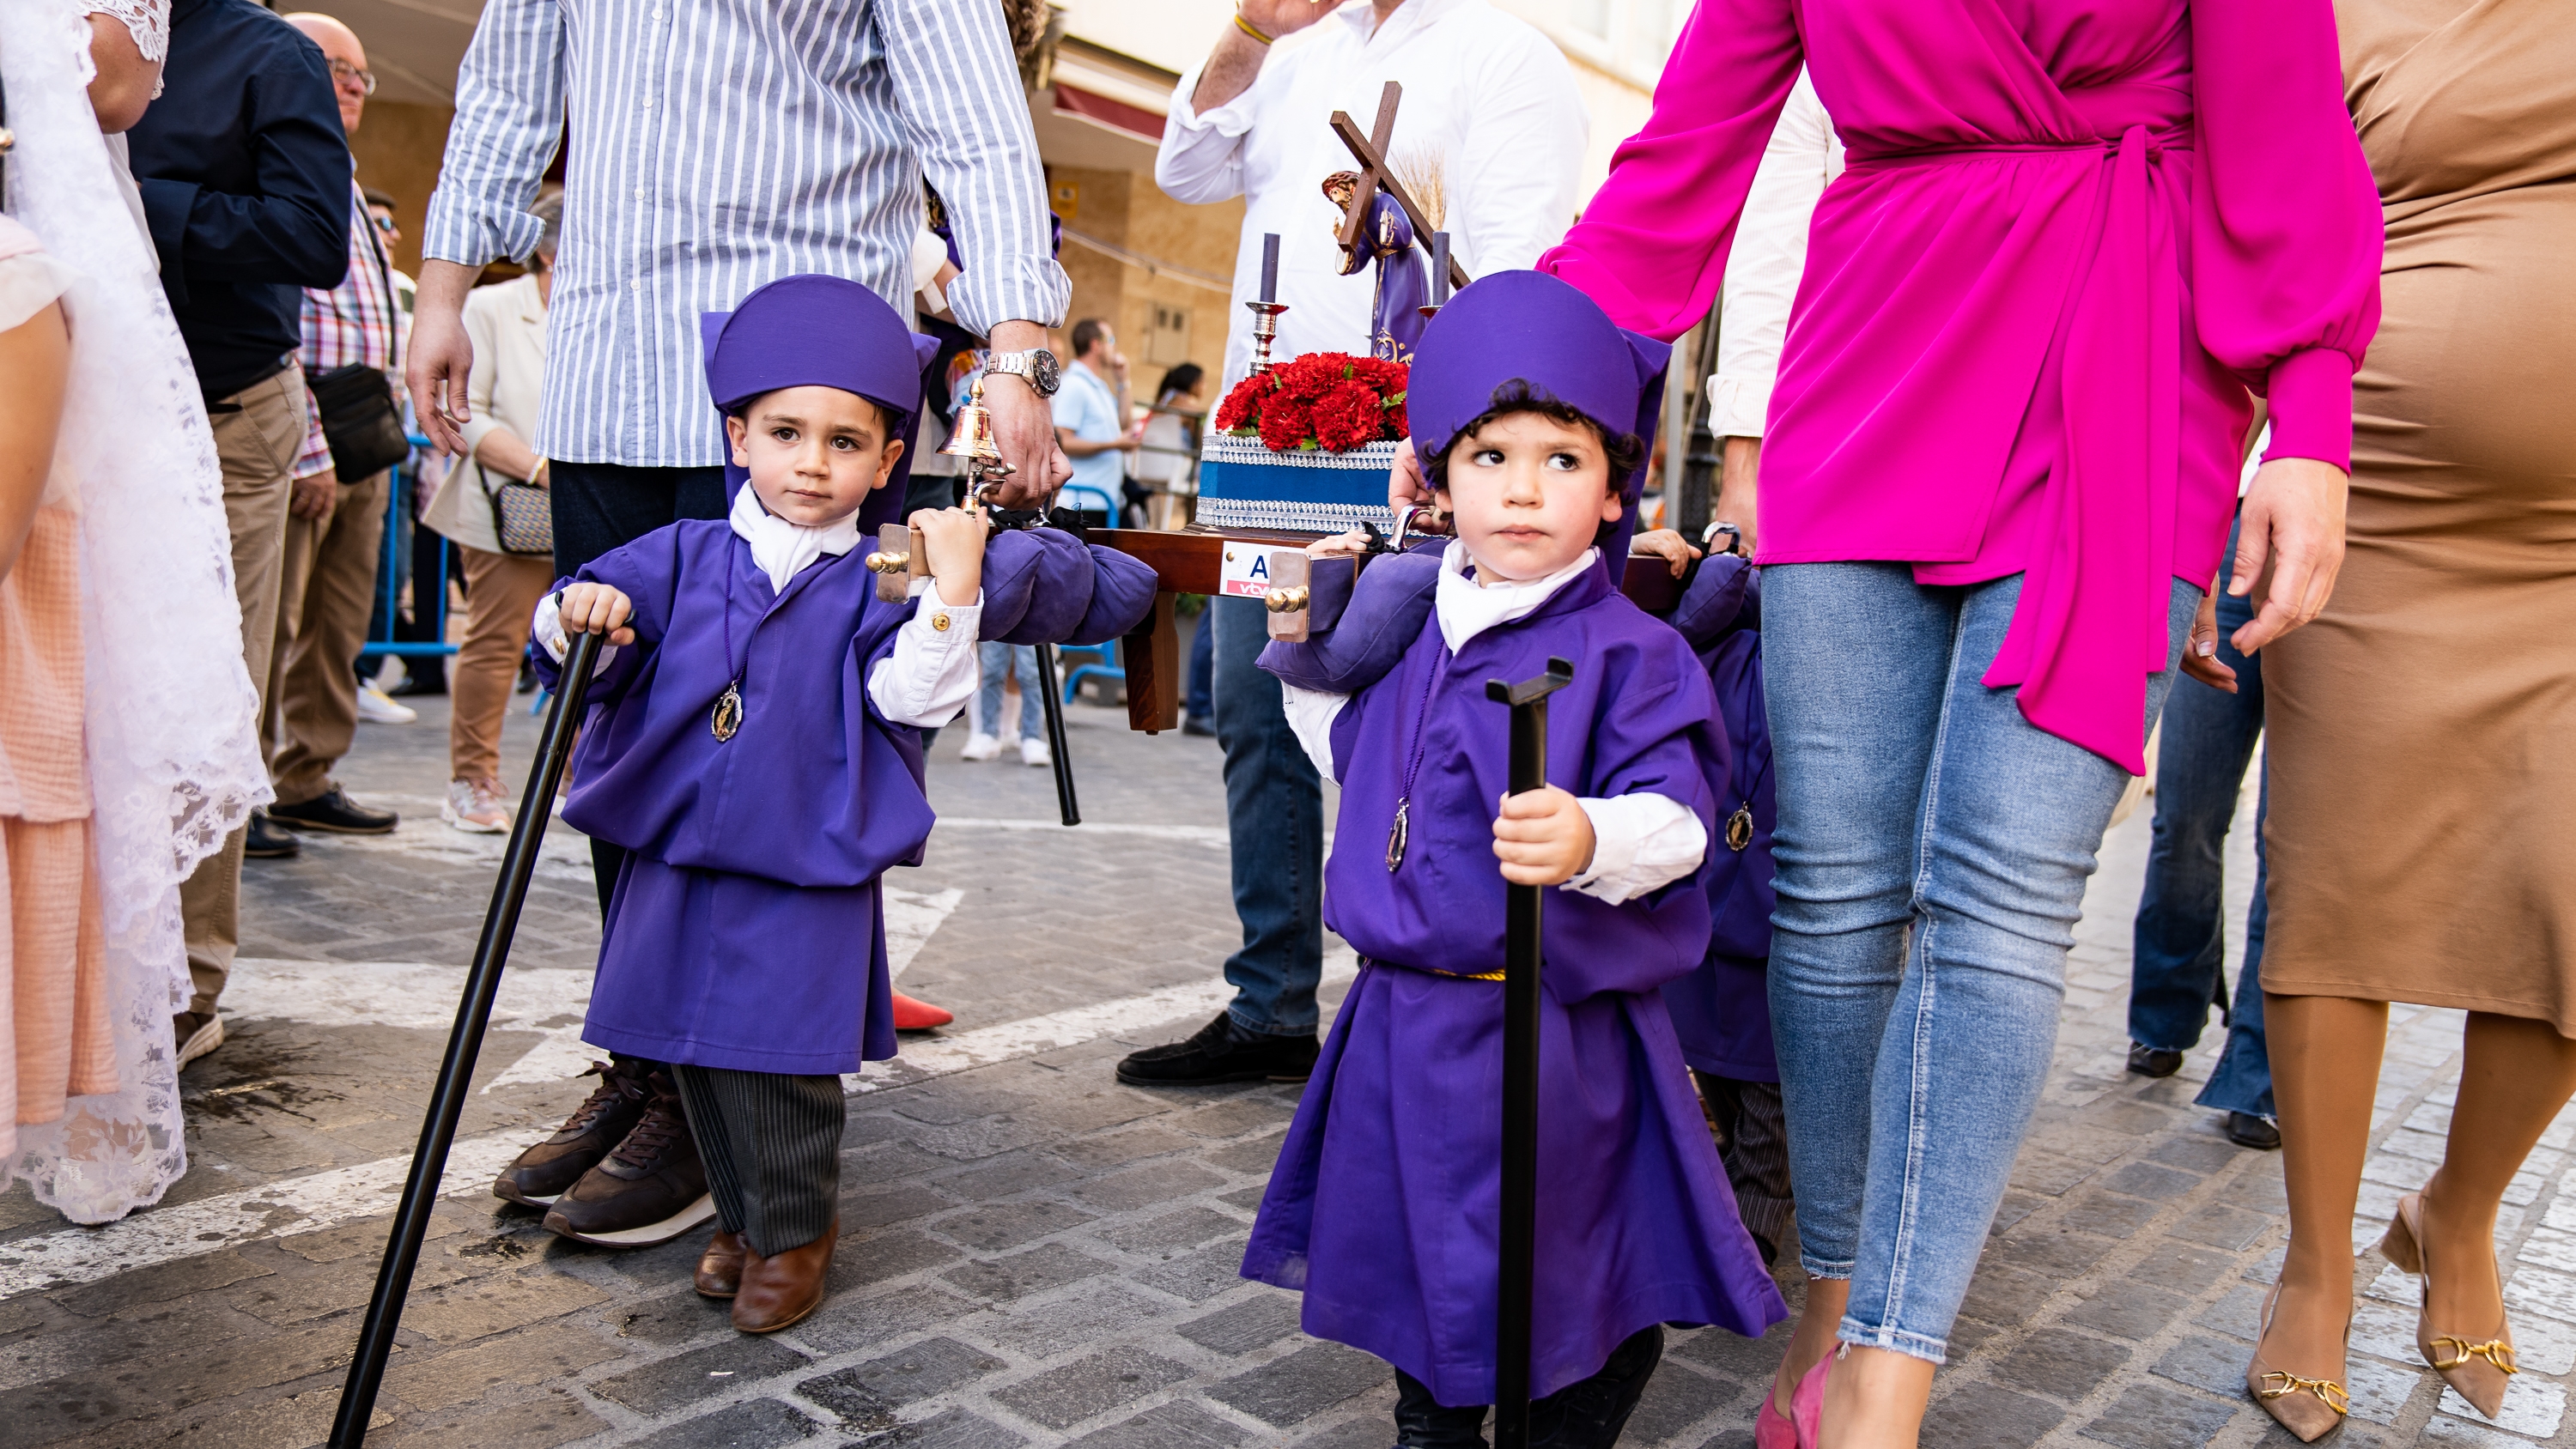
(1036, 1256)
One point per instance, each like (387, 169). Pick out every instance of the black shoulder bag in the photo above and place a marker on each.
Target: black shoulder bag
(360, 419)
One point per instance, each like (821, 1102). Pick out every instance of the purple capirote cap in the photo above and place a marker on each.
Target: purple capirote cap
(1530, 327)
(817, 331)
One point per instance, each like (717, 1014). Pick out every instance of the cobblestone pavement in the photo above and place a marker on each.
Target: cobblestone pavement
(1035, 1255)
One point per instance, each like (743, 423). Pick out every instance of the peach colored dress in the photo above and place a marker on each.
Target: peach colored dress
(54, 1036)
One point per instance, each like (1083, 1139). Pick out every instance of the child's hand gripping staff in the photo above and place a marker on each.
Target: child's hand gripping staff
(1539, 847)
(601, 613)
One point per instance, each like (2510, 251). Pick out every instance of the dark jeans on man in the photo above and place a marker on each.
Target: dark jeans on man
(2178, 961)
(1274, 810)
(1198, 699)
(599, 507)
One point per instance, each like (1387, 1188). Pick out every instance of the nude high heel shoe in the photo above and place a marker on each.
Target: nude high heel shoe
(2308, 1408)
(2479, 1369)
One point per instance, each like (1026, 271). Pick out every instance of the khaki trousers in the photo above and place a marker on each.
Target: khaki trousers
(326, 594)
(501, 593)
(257, 444)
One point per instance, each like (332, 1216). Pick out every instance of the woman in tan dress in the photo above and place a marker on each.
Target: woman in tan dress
(2423, 730)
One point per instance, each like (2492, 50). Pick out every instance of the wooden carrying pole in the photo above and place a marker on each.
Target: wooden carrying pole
(464, 1043)
(1514, 1298)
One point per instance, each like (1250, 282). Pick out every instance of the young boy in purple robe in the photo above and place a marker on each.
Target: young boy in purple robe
(755, 746)
(1531, 412)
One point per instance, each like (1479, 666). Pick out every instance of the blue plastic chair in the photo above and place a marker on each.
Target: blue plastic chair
(1102, 657)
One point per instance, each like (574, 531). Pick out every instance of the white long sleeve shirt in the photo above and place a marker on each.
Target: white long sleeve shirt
(1489, 107)
(1770, 256)
(1640, 841)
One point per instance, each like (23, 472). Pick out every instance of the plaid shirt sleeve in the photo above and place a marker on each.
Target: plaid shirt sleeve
(352, 322)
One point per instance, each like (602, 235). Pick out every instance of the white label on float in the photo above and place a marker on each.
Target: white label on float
(1246, 571)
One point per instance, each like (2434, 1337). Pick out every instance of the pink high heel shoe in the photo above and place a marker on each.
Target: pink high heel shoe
(1807, 1406)
(1772, 1429)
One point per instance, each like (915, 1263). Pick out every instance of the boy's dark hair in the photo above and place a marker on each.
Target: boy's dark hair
(1626, 451)
(1086, 332)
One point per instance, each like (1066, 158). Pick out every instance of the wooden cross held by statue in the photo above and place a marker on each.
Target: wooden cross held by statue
(1370, 151)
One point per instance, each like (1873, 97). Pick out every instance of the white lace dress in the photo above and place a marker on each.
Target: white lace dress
(169, 715)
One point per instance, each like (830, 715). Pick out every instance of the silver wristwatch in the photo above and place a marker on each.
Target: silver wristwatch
(1035, 366)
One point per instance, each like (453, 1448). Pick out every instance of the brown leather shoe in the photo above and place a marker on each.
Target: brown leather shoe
(720, 1266)
(594, 1129)
(782, 1290)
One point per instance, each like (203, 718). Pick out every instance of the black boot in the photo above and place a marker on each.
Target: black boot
(1222, 1051)
(1590, 1414)
(1423, 1422)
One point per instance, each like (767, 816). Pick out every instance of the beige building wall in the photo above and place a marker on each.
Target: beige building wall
(397, 149)
(1164, 316)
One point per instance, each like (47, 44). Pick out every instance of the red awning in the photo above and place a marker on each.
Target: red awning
(1136, 121)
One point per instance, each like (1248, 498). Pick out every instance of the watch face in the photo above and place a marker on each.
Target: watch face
(1042, 371)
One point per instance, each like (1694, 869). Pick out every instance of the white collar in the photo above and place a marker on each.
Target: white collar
(1465, 611)
(783, 549)
(1412, 15)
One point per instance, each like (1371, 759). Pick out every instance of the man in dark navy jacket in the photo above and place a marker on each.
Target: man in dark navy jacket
(245, 179)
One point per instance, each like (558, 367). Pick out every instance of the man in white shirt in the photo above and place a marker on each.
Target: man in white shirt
(1490, 138)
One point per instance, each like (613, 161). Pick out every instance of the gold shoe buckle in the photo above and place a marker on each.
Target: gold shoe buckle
(2495, 1351)
(2326, 1391)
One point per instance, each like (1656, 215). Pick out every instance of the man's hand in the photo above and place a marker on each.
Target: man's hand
(1023, 425)
(1667, 545)
(595, 609)
(2293, 528)
(442, 355)
(2200, 652)
(311, 497)
(1739, 484)
(954, 540)
(1543, 837)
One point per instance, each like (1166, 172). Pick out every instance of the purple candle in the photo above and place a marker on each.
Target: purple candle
(1270, 266)
(1439, 269)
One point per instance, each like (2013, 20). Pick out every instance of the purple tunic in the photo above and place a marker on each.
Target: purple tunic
(1384, 1207)
(746, 930)
(1722, 1011)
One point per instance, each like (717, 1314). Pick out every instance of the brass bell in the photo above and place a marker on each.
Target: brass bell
(973, 435)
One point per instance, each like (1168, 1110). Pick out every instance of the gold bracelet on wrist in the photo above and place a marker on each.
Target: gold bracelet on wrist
(1247, 28)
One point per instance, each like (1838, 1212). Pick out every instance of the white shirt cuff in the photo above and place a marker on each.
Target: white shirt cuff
(1640, 843)
(932, 672)
(1311, 713)
(548, 630)
(1738, 405)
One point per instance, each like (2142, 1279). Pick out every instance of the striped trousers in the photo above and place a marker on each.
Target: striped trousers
(772, 1148)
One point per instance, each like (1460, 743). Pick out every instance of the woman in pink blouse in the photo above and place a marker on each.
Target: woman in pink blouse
(1996, 485)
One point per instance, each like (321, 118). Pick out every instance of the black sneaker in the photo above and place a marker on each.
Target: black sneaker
(2247, 1130)
(650, 1190)
(2149, 1061)
(333, 810)
(1198, 725)
(267, 840)
(593, 1130)
(1222, 1051)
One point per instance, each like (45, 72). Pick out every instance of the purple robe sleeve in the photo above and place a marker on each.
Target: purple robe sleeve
(1385, 613)
(1715, 602)
(1037, 585)
(1122, 594)
(647, 572)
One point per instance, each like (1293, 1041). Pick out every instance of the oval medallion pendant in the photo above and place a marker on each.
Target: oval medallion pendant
(1739, 827)
(728, 712)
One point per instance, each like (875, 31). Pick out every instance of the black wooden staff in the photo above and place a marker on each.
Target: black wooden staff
(464, 1043)
(1053, 703)
(1513, 1303)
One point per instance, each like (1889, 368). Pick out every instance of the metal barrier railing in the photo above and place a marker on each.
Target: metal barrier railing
(394, 570)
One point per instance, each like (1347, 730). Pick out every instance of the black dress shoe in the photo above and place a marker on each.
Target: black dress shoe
(2149, 1061)
(266, 840)
(2247, 1130)
(1198, 725)
(650, 1190)
(1222, 1051)
(334, 810)
(594, 1129)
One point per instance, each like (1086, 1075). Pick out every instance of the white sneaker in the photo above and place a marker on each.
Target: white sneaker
(980, 747)
(475, 806)
(375, 707)
(1033, 751)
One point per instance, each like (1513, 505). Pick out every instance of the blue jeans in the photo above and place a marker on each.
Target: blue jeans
(996, 660)
(1198, 700)
(1932, 851)
(2179, 956)
(1274, 810)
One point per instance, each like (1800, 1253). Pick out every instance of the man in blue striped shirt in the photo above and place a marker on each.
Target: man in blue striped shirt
(716, 148)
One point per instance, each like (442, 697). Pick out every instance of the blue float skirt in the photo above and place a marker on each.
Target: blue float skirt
(1245, 485)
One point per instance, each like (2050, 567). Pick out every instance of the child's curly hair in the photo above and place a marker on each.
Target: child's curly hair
(1626, 451)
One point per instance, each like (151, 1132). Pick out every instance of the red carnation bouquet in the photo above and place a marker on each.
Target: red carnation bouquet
(1324, 401)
